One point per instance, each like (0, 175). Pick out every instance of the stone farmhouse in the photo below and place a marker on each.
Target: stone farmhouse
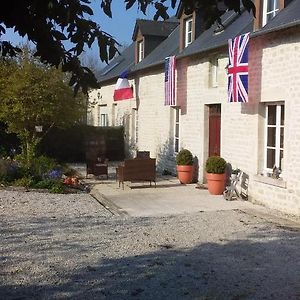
(252, 136)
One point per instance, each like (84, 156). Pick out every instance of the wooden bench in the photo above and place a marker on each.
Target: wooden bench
(138, 169)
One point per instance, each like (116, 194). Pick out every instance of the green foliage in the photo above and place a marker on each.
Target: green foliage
(26, 182)
(68, 145)
(48, 24)
(9, 171)
(32, 94)
(215, 165)
(184, 158)
(54, 186)
(58, 188)
(8, 141)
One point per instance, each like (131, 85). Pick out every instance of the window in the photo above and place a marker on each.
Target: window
(102, 115)
(176, 128)
(134, 127)
(270, 9)
(140, 51)
(274, 136)
(214, 66)
(188, 37)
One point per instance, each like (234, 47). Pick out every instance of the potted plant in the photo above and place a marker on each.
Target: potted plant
(215, 174)
(184, 161)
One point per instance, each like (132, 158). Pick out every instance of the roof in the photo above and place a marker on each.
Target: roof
(156, 28)
(168, 47)
(234, 24)
(213, 38)
(119, 64)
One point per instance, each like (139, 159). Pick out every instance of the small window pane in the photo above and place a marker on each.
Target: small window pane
(282, 115)
(281, 137)
(177, 130)
(270, 158)
(176, 145)
(281, 159)
(190, 25)
(272, 115)
(270, 5)
(271, 136)
(177, 115)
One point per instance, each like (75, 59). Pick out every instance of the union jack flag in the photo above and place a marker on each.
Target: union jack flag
(238, 69)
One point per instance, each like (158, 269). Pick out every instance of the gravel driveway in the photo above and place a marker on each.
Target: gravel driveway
(70, 247)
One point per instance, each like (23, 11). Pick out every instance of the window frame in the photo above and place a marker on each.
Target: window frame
(141, 52)
(278, 126)
(102, 117)
(187, 31)
(176, 122)
(214, 70)
(272, 11)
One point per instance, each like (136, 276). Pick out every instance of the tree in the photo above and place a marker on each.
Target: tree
(49, 23)
(33, 94)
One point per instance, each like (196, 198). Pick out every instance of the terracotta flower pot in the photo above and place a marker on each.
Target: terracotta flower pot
(216, 183)
(185, 174)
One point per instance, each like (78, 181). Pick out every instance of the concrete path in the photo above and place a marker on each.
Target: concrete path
(168, 198)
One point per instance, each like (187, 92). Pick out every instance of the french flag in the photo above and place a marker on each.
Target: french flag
(123, 90)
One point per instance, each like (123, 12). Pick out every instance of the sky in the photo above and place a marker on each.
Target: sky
(120, 26)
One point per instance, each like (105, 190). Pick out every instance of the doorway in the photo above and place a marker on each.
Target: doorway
(214, 129)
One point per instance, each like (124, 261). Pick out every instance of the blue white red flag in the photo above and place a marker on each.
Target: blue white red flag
(170, 94)
(238, 69)
(123, 90)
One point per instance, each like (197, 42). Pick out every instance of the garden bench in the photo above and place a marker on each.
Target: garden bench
(137, 169)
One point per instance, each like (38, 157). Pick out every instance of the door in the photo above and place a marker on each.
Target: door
(214, 129)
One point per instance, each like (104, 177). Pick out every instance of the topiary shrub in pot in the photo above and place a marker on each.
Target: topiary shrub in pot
(184, 161)
(215, 174)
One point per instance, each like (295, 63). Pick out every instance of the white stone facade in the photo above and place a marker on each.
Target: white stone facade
(274, 63)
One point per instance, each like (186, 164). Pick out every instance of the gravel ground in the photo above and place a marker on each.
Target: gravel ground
(70, 247)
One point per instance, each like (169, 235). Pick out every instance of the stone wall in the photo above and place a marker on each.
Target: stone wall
(274, 60)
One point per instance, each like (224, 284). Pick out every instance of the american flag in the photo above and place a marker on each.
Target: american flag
(170, 67)
(238, 69)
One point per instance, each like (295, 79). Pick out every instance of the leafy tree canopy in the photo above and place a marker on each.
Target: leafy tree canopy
(48, 23)
(33, 94)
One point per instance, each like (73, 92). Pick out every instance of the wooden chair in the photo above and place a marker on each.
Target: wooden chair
(97, 166)
(142, 154)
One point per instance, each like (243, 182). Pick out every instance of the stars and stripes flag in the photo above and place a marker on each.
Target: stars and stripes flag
(238, 69)
(170, 91)
(122, 89)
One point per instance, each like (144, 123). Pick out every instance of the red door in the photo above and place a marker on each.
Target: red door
(214, 129)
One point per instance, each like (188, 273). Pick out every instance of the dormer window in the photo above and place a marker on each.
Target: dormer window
(188, 32)
(270, 10)
(140, 51)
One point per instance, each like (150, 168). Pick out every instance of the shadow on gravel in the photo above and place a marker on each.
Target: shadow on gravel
(243, 269)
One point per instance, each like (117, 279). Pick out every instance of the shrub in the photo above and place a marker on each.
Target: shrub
(57, 188)
(69, 172)
(184, 158)
(25, 182)
(9, 170)
(215, 165)
(54, 186)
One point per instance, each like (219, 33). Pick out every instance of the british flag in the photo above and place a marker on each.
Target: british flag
(238, 69)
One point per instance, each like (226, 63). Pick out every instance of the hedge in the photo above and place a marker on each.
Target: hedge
(69, 145)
